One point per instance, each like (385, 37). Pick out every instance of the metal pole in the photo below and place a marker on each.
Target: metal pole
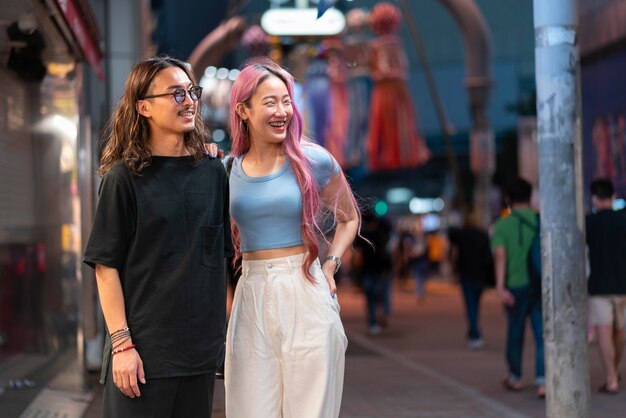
(562, 226)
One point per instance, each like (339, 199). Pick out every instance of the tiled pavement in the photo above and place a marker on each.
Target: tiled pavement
(419, 365)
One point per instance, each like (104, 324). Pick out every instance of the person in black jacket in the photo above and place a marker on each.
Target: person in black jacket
(606, 241)
(374, 273)
(473, 263)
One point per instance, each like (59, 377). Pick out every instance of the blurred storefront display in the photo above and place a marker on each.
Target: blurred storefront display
(603, 56)
(45, 152)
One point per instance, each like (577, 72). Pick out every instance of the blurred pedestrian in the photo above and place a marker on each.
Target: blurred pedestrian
(606, 240)
(285, 346)
(511, 242)
(436, 247)
(374, 273)
(414, 253)
(473, 262)
(158, 246)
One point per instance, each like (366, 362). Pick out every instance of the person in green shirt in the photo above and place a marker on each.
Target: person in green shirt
(511, 240)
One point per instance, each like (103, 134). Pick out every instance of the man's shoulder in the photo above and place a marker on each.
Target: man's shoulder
(606, 219)
(118, 173)
(210, 165)
(503, 229)
(505, 222)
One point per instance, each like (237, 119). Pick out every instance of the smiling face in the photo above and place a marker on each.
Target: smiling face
(268, 112)
(164, 115)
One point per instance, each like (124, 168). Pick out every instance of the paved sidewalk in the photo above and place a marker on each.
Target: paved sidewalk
(419, 365)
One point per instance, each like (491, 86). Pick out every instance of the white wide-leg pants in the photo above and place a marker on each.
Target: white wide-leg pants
(285, 345)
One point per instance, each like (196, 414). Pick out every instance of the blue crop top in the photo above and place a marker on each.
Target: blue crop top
(268, 209)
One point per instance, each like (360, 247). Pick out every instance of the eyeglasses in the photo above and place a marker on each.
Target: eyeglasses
(195, 93)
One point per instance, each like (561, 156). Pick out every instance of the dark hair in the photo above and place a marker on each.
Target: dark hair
(519, 191)
(127, 133)
(602, 188)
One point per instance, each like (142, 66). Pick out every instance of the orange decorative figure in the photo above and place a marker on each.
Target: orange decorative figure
(393, 139)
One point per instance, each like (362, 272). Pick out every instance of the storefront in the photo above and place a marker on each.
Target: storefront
(46, 161)
(603, 53)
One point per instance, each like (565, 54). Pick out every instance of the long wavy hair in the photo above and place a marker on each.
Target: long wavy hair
(315, 215)
(126, 136)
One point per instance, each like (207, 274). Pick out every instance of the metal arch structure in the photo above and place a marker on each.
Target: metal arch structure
(221, 40)
(216, 44)
(477, 42)
(478, 82)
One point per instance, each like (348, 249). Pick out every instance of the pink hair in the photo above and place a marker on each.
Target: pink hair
(256, 72)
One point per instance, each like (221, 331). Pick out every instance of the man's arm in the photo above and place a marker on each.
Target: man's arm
(126, 365)
(499, 256)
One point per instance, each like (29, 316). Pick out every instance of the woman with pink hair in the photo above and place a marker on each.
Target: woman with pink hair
(285, 345)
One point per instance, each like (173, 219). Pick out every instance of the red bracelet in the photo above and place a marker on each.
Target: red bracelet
(119, 350)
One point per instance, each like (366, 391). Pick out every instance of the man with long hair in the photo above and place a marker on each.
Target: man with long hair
(158, 243)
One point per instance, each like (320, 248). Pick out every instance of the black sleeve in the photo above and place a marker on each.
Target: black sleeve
(228, 242)
(114, 222)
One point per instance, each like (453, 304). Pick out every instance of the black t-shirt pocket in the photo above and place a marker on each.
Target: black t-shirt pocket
(212, 245)
(162, 232)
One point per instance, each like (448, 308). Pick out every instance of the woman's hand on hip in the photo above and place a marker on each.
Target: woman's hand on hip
(329, 274)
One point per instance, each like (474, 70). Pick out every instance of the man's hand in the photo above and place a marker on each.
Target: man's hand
(213, 151)
(506, 297)
(127, 372)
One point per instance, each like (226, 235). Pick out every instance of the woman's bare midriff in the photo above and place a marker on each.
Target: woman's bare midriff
(273, 253)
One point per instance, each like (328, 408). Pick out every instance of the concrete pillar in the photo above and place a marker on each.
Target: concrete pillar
(562, 219)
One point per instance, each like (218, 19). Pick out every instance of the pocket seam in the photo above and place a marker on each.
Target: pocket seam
(210, 234)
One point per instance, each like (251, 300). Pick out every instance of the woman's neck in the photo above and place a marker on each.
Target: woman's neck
(264, 160)
(265, 153)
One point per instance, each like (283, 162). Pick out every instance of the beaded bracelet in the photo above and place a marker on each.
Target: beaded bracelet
(119, 350)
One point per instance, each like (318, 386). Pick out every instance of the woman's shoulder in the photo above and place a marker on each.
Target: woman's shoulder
(318, 154)
(323, 163)
(230, 161)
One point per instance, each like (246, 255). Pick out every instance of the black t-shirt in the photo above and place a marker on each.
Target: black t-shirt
(167, 232)
(474, 259)
(376, 258)
(606, 239)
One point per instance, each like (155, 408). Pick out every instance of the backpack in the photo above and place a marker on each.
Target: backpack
(533, 259)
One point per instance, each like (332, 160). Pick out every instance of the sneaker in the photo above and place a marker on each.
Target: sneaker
(383, 321)
(511, 385)
(475, 344)
(541, 391)
(374, 330)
